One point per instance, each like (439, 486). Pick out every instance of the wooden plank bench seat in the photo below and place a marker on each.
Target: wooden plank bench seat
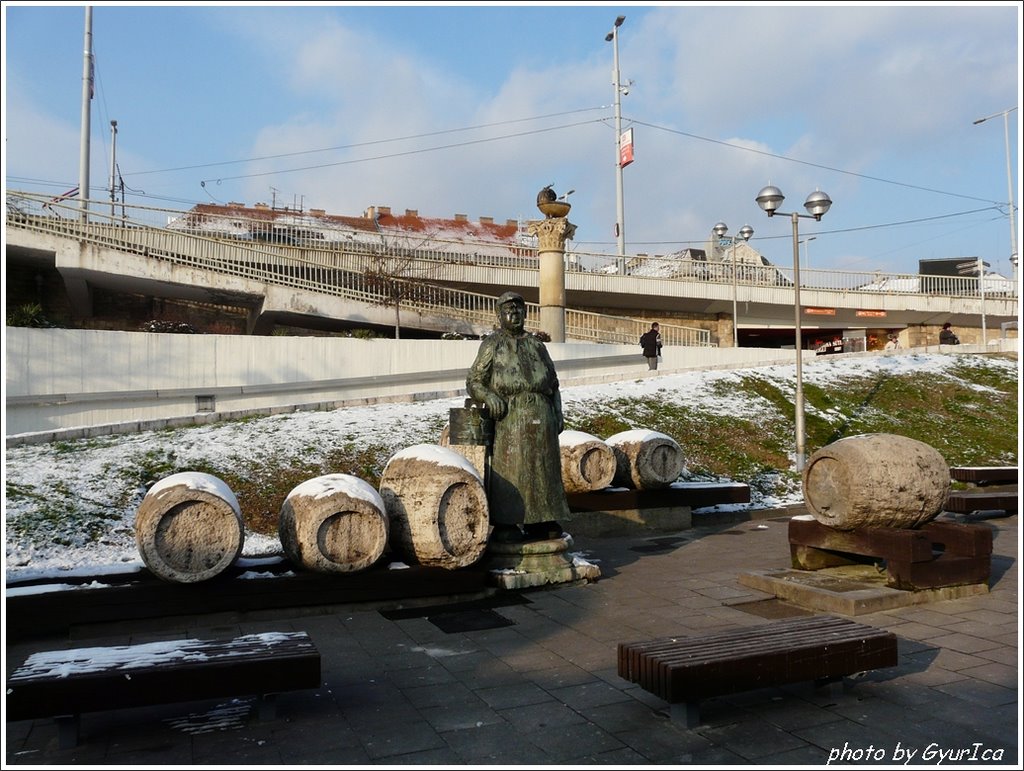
(984, 475)
(693, 494)
(620, 511)
(685, 670)
(969, 501)
(64, 684)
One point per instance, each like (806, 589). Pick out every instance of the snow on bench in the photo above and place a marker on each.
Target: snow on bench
(63, 684)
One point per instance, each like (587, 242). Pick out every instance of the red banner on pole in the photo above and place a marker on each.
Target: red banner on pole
(626, 148)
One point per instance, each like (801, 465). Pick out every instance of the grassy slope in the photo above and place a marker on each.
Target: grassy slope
(970, 415)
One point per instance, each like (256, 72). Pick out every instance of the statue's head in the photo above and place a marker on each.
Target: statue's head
(511, 297)
(511, 310)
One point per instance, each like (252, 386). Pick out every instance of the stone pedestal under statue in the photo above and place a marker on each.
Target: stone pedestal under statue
(535, 563)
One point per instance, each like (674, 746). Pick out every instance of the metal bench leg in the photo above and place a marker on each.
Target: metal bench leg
(266, 706)
(686, 712)
(835, 687)
(67, 731)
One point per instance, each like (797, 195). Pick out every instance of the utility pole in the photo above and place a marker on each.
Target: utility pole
(113, 169)
(83, 155)
(620, 223)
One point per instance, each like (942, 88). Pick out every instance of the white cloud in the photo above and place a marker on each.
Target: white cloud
(888, 92)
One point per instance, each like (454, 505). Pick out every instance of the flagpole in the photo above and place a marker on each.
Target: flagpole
(83, 155)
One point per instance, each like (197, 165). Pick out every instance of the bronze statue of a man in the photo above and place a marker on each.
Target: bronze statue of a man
(513, 375)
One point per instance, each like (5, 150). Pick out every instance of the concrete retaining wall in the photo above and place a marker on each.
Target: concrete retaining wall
(69, 383)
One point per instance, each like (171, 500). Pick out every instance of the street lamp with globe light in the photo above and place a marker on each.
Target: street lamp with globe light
(1009, 184)
(745, 233)
(817, 204)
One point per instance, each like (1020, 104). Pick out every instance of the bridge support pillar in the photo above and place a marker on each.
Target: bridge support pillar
(258, 323)
(69, 263)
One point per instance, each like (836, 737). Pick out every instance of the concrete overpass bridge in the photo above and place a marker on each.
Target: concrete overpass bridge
(310, 283)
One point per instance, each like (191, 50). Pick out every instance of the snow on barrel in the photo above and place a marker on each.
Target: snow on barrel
(189, 528)
(876, 480)
(334, 523)
(587, 462)
(645, 460)
(437, 505)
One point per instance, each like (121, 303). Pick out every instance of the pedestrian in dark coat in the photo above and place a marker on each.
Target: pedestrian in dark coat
(947, 336)
(650, 341)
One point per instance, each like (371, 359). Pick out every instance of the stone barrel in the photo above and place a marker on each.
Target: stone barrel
(587, 462)
(645, 460)
(876, 480)
(437, 505)
(189, 528)
(335, 523)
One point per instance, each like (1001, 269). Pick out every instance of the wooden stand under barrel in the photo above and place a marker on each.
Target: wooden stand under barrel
(935, 555)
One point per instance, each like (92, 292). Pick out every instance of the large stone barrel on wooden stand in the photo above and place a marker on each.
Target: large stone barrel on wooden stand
(876, 480)
(588, 463)
(189, 527)
(336, 523)
(437, 506)
(645, 460)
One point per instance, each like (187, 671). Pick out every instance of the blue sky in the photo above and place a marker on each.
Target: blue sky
(473, 108)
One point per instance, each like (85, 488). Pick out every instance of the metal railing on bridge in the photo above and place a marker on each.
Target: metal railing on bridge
(380, 273)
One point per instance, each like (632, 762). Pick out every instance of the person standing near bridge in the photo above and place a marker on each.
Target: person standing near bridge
(650, 341)
(947, 336)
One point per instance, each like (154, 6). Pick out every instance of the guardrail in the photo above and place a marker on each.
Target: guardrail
(320, 255)
(376, 274)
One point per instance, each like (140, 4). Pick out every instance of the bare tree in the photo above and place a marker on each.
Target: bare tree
(397, 273)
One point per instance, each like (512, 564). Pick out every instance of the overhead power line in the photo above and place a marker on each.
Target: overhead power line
(808, 163)
(881, 226)
(367, 144)
(399, 155)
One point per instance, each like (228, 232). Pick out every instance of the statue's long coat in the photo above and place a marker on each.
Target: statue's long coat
(526, 468)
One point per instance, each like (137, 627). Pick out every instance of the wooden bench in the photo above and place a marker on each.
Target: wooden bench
(618, 511)
(1003, 499)
(984, 475)
(64, 684)
(692, 494)
(969, 501)
(685, 670)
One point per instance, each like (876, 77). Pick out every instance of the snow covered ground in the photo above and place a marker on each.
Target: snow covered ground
(82, 470)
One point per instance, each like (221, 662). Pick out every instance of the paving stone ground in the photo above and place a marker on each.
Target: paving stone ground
(544, 689)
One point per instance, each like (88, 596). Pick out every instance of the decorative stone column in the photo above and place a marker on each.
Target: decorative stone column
(552, 233)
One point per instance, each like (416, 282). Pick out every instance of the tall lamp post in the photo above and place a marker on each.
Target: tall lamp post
(745, 233)
(1009, 183)
(770, 199)
(620, 216)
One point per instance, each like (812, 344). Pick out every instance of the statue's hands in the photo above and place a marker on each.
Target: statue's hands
(496, 406)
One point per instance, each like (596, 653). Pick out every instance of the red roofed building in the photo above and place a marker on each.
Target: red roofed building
(378, 226)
